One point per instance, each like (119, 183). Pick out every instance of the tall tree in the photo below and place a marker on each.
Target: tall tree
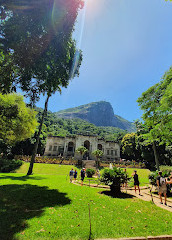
(39, 34)
(157, 113)
(130, 147)
(145, 147)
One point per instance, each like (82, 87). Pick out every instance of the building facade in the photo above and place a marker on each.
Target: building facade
(66, 146)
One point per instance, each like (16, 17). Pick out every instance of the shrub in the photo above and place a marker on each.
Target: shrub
(152, 178)
(90, 172)
(165, 168)
(113, 178)
(8, 165)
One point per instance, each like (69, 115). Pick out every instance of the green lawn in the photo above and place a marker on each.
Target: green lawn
(63, 170)
(143, 176)
(46, 206)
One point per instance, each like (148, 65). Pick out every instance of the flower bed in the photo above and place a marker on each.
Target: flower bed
(49, 160)
(123, 164)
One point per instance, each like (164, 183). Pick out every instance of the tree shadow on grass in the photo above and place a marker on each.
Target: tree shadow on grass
(19, 203)
(21, 178)
(120, 195)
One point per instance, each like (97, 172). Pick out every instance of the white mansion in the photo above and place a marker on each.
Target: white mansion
(66, 146)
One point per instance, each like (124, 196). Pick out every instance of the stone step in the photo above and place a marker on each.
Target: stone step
(88, 161)
(90, 167)
(89, 164)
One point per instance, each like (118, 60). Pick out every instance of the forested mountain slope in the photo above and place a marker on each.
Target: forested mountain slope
(99, 113)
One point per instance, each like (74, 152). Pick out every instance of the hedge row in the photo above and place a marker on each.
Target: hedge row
(9, 165)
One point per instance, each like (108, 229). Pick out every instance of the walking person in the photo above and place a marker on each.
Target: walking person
(82, 175)
(162, 187)
(71, 173)
(75, 175)
(125, 179)
(136, 181)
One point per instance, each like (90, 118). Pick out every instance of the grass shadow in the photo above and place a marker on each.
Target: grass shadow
(121, 195)
(21, 178)
(19, 203)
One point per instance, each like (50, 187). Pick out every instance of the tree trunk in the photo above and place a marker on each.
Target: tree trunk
(156, 155)
(97, 163)
(35, 148)
(115, 189)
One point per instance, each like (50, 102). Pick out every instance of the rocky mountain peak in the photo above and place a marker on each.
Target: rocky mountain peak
(99, 113)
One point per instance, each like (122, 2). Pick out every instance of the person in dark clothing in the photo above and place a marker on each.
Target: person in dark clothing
(82, 175)
(136, 181)
(75, 174)
(71, 173)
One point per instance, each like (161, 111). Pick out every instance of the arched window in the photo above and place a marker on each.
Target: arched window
(87, 145)
(99, 147)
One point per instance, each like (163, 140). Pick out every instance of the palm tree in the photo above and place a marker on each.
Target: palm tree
(97, 153)
(82, 150)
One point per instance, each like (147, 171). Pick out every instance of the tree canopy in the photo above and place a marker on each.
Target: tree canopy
(39, 34)
(17, 122)
(97, 153)
(8, 72)
(157, 111)
(81, 150)
(129, 147)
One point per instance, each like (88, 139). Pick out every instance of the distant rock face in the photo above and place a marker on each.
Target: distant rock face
(99, 113)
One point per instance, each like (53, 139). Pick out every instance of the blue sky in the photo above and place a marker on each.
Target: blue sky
(127, 47)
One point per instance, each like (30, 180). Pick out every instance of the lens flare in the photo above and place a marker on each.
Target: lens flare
(82, 25)
(58, 15)
(75, 64)
(77, 54)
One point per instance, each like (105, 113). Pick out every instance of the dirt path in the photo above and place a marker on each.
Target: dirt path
(146, 196)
